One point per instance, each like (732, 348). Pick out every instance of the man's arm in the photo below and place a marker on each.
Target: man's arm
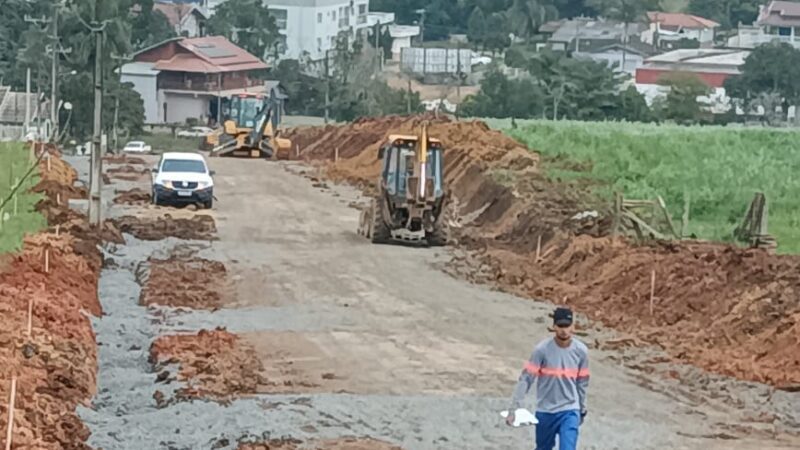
(582, 382)
(526, 379)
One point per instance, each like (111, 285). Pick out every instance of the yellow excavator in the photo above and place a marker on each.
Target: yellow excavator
(251, 128)
(409, 205)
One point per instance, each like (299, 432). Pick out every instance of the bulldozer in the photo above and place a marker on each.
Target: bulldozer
(409, 204)
(251, 128)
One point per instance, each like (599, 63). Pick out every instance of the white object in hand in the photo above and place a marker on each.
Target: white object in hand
(522, 417)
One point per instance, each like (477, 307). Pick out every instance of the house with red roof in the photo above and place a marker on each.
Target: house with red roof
(778, 21)
(186, 78)
(667, 29)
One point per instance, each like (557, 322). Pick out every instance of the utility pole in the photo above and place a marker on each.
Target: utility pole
(121, 61)
(96, 171)
(38, 21)
(327, 85)
(27, 102)
(421, 13)
(54, 77)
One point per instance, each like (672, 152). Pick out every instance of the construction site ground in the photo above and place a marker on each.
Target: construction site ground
(312, 335)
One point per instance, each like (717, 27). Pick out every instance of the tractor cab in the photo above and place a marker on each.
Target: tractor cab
(400, 159)
(243, 110)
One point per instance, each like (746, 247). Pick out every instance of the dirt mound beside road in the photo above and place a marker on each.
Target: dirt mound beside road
(201, 227)
(124, 159)
(135, 196)
(721, 308)
(56, 364)
(214, 364)
(191, 282)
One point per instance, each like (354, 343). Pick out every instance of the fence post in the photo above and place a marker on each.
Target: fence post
(11, 401)
(16, 201)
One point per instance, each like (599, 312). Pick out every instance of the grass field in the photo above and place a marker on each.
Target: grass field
(14, 225)
(720, 168)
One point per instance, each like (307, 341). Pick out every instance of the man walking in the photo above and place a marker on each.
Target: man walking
(560, 365)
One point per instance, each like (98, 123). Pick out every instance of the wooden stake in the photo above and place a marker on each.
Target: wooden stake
(296, 150)
(336, 155)
(58, 230)
(30, 315)
(652, 289)
(16, 183)
(11, 402)
(538, 248)
(48, 162)
(47, 260)
(58, 198)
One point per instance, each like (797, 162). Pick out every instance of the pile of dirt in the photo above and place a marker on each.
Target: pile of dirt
(181, 281)
(124, 159)
(56, 365)
(347, 443)
(727, 310)
(200, 227)
(133, 196)
(215, 364)
(126, 172)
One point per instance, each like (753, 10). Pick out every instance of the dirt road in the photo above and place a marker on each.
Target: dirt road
(363, 340)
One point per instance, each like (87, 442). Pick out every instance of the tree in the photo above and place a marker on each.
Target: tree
(729, 13)
(476, 27)
(247, 23)
(526, 16)
(682, 104)
(501, 97)
(767, 73)
(625, 11)
(149, 27)
(497, 37)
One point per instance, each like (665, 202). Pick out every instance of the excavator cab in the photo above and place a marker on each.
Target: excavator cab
(411, 195)
(251, 127)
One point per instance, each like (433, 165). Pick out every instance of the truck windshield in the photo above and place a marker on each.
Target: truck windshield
(183, 165)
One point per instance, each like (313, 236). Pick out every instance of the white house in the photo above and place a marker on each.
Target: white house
(665, 29)
(778, 21)
(401, 38)
(311, 26)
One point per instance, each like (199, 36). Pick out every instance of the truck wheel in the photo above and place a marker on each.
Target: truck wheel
(208, 204)
(438, 236)
(154, 198)
(379, 230)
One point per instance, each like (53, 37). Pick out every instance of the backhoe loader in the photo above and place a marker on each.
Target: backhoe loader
(251, 128)
(410, 201)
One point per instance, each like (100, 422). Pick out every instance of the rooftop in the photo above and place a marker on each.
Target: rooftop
(210, 54)
(780, 14)
(680, 20)
(583, 28)
(176, 13)
(722, 57)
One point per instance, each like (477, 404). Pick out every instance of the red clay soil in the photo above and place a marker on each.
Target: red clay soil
(215, 364)
(56, 366)
(124, 159)
(727, 310)
(133, 196)
(178, 281)
(199, 227)
(347, 443)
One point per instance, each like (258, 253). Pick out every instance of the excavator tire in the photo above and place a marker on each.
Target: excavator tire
(437, 237)
(378, 230)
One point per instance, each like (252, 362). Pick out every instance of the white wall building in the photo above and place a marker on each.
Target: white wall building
(311, 26)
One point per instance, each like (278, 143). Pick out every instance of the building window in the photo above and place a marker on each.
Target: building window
(362, 9)
(280, 17)
(333, 16)
(319, 17)
(319, 43)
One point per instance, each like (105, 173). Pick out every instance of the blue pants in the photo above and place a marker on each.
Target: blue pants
(564, 424)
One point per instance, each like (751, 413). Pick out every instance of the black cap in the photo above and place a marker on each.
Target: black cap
(562, 317)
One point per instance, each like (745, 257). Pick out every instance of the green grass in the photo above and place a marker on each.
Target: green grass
(14, 163)
(164, 142)
(720, 167)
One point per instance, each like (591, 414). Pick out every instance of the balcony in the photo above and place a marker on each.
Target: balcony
(752, 37)
(206, 84)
